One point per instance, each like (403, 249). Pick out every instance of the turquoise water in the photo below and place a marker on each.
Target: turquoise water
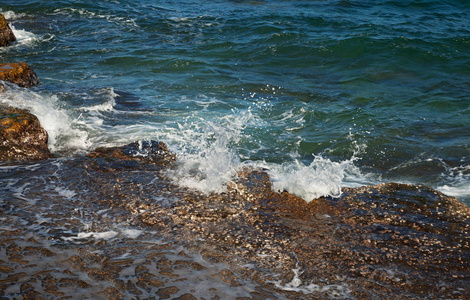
(324, 94)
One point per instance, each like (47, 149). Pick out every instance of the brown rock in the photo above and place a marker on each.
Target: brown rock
(186, 296)
(165, 293)
(112, 294)
(6, 34)
(143, 151)
(22, 137)
(18, 73)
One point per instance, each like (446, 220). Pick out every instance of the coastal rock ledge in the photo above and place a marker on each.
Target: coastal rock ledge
(22, 138)
(6, 34)
(151, 237)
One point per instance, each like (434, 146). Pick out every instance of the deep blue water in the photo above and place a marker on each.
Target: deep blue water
(324, 94)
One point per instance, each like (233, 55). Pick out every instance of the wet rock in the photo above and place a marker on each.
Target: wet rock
(150, 152)
(228, 276)
(186, 296)
(22, 137)
(384, 240)
(113, 294)
(388, 241)
(18, 73)
(165, 293)
(6, 34)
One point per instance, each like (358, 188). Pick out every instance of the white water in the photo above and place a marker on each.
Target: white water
(459, 185)
(208, 148)
(208, 156)
(64, 132)
(11, 15)
(296, 285)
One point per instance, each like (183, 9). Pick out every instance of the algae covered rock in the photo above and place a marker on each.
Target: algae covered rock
(6, 34)
(18, 73)
(22, 137)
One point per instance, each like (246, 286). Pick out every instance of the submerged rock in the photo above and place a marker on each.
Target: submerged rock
(6, 34)
(386, 241)
(22, 138)
(18, 73)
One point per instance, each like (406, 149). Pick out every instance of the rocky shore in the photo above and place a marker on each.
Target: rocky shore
(389, 241)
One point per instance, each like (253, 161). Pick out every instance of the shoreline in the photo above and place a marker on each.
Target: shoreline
(78, 227)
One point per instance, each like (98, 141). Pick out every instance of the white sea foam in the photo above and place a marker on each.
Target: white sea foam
(322, 177)
(206, 161)
(11, 15)
(68, 194)
(131, 233)
(23, 37)
(461, 191)
(108, 97)
(209, 158)
(121, 21)
(104, 235)
(458, 183)
(296, 285)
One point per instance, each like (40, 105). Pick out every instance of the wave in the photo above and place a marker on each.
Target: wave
(117, 20)
(458, 183)
(211, 148)
(209, 157)
(108, 98)
(63, 130)
(11, 15)
(23, 37)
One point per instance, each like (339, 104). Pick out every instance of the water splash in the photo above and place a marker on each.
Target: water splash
(322, 177)
(63, 130)
(206, 160)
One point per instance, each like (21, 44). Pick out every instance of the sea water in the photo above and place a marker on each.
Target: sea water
(323, 94)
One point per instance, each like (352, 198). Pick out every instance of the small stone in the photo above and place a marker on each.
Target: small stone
(6, 269)
(165, 293)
